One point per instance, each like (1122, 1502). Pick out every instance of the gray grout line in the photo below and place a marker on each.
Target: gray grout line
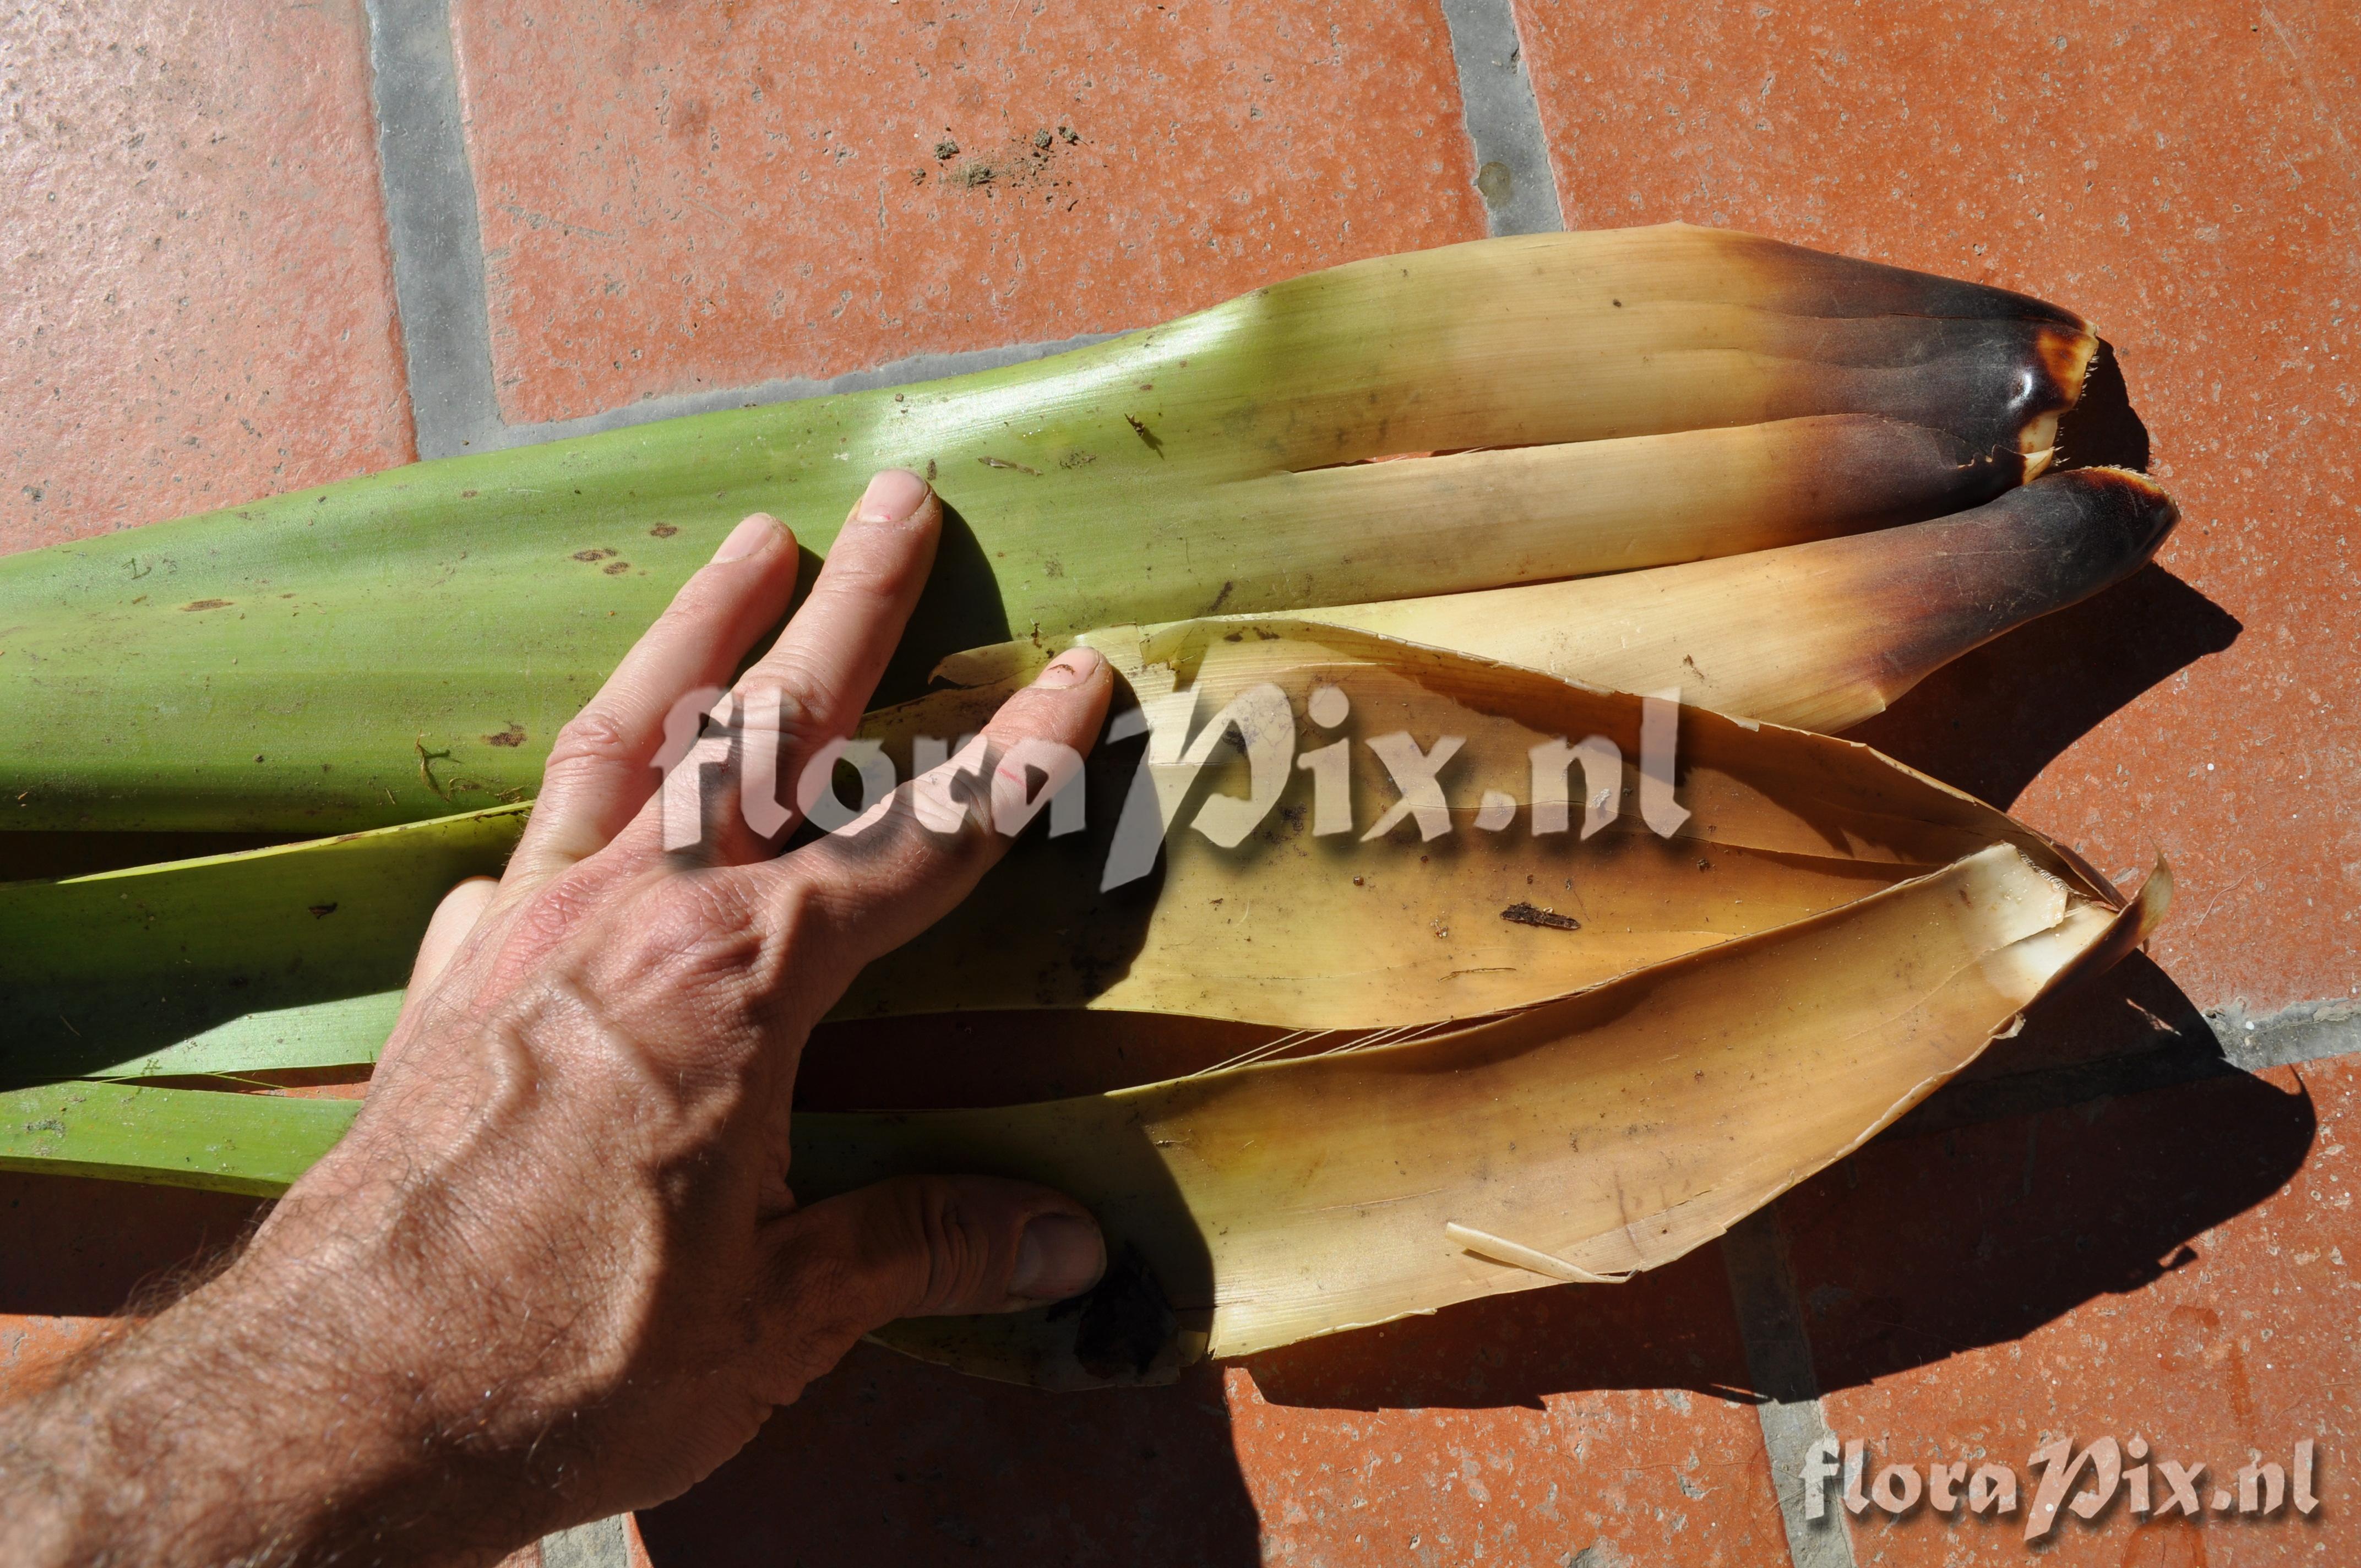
(438, 267)
(1779, 1361)
(437, 244)
(2235, 1043)
(430, 214)
(896, 373)
(2306, 1031)
(1513, 166)
(602, 1544)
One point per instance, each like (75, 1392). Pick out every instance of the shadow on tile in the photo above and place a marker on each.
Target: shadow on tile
(72, 1246)
(886, 1460)
(2119, 1033)
(1990, 722)
(2088, 1159)
(1670, 1328)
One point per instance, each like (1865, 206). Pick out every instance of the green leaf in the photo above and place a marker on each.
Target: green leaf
(280, 958)
(254, 1144)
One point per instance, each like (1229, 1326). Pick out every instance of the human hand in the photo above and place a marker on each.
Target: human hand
(556, 1269)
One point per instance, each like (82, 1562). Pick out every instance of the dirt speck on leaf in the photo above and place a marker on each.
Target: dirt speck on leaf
(206, 604)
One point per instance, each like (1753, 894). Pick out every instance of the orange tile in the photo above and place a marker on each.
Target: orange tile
(196, 299)
(2185, 176)
(1523, 1429)
(2171, 1265)
(33, 1347)
(682, 197)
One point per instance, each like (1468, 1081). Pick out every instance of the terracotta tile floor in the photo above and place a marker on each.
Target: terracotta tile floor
(678, 199)
(196, 302)
(198, 309)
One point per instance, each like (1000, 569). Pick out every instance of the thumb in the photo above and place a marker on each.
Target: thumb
(923, 1246)
(454, 919)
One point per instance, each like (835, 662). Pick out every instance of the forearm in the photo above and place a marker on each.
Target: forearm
(239, 1426)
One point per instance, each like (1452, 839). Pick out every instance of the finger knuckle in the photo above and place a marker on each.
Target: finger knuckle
(594, 738)
(784, 699)
(958, 1252)
(870, 574)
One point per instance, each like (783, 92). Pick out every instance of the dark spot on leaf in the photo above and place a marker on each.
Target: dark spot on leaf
(1005, 463)
(616, 568)
(1547, 919)
(322, 911)
(663, 531)
(1126, 1320)
(206, 604)
(513, 736)
(592, 554)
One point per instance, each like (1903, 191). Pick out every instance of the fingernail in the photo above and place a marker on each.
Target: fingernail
(747, 538)
(892, 496)
(1071, 668)
(1057, 1256)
